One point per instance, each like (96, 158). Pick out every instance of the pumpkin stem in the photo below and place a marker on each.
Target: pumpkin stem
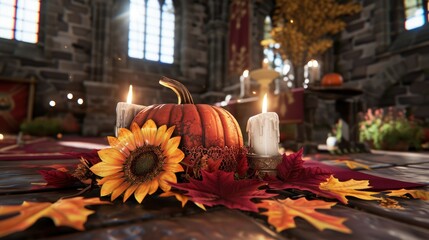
(181, 91)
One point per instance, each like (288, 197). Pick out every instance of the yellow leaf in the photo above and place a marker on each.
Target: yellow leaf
(69, 212)
(181, 198)
(281, 214)
(339, 190)
(420, 194)
(352, 164)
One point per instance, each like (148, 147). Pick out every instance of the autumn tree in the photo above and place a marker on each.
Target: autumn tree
(304, 28)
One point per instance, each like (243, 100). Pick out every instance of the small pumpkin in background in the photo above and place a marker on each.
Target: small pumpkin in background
(332, 79)
(210, 135)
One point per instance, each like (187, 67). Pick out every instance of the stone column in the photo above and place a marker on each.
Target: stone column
(101, 63)
(217, 29)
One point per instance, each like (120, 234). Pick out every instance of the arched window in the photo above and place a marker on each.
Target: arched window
(19, 20)
(151, 30)
(416, 13)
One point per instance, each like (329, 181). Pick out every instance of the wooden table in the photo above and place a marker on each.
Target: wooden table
(164, 218)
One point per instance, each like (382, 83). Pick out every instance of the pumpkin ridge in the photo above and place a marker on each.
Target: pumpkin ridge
(219, 127)
(153, 112)
(224, 118)
(203, 132)
(237, 128)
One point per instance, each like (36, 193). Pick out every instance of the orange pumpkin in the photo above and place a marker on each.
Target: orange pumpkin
(332, 79)
(206, 131)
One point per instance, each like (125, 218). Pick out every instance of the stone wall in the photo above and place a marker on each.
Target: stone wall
(389, 63)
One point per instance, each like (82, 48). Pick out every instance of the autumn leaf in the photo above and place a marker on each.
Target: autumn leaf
(181, 198)
(292, 174)
(333, 188)
(69, 212)
(220, 188)
(353, 164)
(420, 194)
(57, 178)
(281, 214)
(242, 165)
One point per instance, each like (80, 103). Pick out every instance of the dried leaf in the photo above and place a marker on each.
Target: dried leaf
(57, 178)
(292, 174)
(390, 203)
(335, 189)
(220, 188)
(181, 198)
(281, 214)
(69, 212)
(420, 194)
(353, 164)
(91, 156)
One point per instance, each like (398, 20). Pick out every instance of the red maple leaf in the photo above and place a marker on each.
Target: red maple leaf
(242, 165)
(57, 178)
(292, 174)
(220, 188)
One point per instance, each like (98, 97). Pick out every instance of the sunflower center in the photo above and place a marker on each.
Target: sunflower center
(144, 163)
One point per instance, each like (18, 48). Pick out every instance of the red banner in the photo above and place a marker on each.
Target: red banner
(239, 36)
(13, 105)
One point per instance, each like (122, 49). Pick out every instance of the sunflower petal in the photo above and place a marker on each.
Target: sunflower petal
(153, 186)
(165, 178)
(172, 145)
(172, 167)
(141, 192)
(160, 135)
(115, 143)
(167, 136)
(175, 157)
(138, 136)
(109, 186)
(126, 137)
(119, 190)
(111, 156)
(130, 191)
(103, 169)
(149, 131)
(110, 177)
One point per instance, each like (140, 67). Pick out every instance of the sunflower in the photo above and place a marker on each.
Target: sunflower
(139, 161)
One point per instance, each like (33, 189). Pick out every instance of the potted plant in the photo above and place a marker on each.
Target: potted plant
(390, 130)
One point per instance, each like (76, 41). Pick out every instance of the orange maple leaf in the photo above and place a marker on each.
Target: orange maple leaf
(281, 214)
(420, 194)
(181, 198)
(333, 188)
(69, 212)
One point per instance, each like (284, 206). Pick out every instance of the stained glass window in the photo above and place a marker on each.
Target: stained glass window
(19, 20)
(151, 30)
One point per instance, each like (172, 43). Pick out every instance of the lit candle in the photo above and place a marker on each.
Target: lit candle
(265, 64)
(263, 131)
(125, 111)
(244, 84)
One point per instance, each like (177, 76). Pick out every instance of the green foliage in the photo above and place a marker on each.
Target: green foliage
(388, 131)
(42, 126)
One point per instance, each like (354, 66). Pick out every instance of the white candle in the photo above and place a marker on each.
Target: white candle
(244, 84)
(263, 132)
(126, 111)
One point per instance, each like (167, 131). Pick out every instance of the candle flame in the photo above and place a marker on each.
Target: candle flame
(130, 95)
(265, 104)
(246, 73)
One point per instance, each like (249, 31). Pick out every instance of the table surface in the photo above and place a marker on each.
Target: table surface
(164, 218)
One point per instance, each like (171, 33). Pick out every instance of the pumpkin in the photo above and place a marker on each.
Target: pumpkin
(332, 79)
(207, 132)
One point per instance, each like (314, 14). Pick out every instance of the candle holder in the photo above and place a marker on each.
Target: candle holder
(264, 165)
(264, 77)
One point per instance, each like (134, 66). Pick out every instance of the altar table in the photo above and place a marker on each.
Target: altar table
(164, 218)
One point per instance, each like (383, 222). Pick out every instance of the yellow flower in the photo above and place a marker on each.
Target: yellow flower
(139, 161)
